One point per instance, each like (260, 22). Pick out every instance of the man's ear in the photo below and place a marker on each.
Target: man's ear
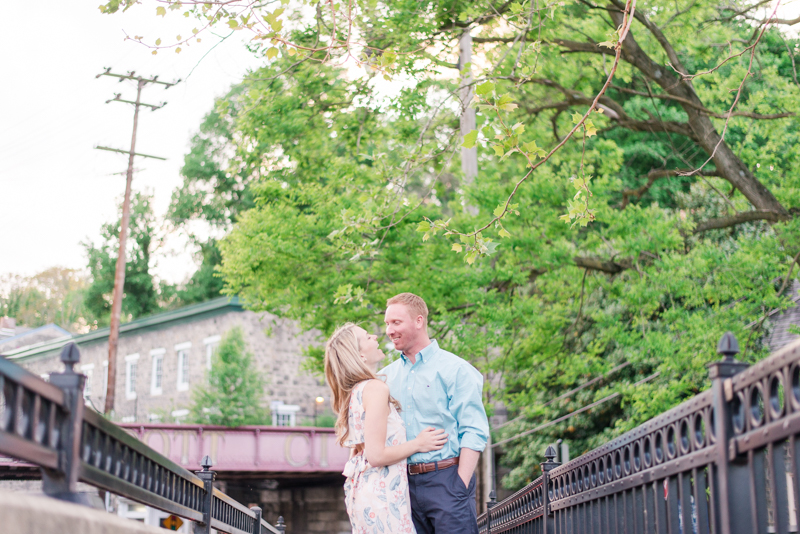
(420, 322)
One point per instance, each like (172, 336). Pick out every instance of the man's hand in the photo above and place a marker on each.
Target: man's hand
(466, 464)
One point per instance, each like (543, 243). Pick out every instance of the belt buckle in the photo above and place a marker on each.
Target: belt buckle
(413, 474)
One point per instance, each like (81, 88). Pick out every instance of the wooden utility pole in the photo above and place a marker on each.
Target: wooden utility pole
(119, 274)
(469, 156)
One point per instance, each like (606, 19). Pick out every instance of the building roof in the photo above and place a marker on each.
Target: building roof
(782, 320)
(25, 337)
(150, 322)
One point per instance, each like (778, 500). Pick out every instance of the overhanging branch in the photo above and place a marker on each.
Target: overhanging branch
(739, 218)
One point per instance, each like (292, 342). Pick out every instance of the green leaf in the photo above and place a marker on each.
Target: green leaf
(470, 257)
(272, 53)
(158, 41)
(424, 226)
(485, 88)
(499, 210)
(508, 107)
(233, 24)
(505, 99)
(576, 118)
(161, 11)
(503, 233)
(498, 150)
(607, 44)
(470, 139)
(456, 247)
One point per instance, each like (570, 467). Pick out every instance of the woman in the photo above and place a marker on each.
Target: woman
(376, 489)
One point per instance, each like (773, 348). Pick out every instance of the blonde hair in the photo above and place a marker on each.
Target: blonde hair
(416, 306)
(344, 369)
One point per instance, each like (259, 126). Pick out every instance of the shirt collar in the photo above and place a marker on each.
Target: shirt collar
(425, 353)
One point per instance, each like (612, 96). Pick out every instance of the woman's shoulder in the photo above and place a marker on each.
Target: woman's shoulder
(375, 390)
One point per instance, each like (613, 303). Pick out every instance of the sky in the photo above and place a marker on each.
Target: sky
(56, 190)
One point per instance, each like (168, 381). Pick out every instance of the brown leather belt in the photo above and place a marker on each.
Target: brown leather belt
(419, 469)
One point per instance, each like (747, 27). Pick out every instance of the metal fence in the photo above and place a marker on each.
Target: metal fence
(47, 424)
(723, 462)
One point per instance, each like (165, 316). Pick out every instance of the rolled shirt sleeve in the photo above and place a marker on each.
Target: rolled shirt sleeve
(466, 404)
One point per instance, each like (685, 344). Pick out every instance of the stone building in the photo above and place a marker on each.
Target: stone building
(161, 357)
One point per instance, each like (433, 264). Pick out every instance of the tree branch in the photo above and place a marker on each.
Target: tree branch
(652, 176)
(739, 218)
(704, 110)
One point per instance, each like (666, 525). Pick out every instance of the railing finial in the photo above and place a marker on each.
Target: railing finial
(492, 502)
(550, 453)
(280, 525)
(728, 346)
(70, 356)
(205, 463)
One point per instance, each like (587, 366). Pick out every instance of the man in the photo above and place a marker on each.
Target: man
(441, 390)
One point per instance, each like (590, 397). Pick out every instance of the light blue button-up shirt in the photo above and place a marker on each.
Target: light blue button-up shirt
(443, 391)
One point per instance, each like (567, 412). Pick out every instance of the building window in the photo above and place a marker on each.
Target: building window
(88, 370)
(183, 365)
(180, 415)
(157, 371)
(211, 344)
(284, 414)
(130, 376)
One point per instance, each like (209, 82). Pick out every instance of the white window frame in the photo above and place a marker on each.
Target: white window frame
(182, 350)
(211, 343)
(131, 362)
(284, 414)
(179, 415)
(157, 360)
(88, 370)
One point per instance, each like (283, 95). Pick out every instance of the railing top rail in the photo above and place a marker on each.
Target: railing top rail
(126, 440)
(30, 381)
(694, 405)
(790, 354)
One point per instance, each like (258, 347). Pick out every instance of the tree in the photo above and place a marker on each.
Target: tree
(55, 295)
(234, 394)
(679, 188)
(214, 191)
(143, 294)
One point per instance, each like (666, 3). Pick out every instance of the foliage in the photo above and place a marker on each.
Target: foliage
(143, 293)
(353, 192)
(55, 295)
(234, 394)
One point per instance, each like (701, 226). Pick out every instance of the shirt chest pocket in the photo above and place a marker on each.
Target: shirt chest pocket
(430, 399)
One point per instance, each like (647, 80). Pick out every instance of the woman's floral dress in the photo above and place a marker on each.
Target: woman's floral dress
(376, 497)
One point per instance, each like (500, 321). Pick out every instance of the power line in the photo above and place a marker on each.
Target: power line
(570, 392)
(573, 414)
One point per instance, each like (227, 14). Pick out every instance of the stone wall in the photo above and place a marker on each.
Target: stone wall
(276, 344)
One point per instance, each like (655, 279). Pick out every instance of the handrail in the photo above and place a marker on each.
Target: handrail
(47, 424)
(724, 461)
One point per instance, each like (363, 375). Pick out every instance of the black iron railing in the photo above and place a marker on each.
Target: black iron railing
(724, 462)
(46, 424)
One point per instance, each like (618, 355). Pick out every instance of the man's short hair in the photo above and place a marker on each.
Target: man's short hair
(416, 306)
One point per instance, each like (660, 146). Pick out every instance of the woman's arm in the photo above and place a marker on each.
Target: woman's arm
(376, 405)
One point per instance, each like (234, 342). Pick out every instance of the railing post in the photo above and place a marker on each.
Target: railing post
(257, 519)
(207, 476)
(731, 483)
(547, 466)
(280, 525)
(63, 484)
(491, 503)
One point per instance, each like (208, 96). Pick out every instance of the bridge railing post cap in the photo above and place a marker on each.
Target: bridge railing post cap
(205, 463)
(728, 346)
(550, 453)
(70, 355)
